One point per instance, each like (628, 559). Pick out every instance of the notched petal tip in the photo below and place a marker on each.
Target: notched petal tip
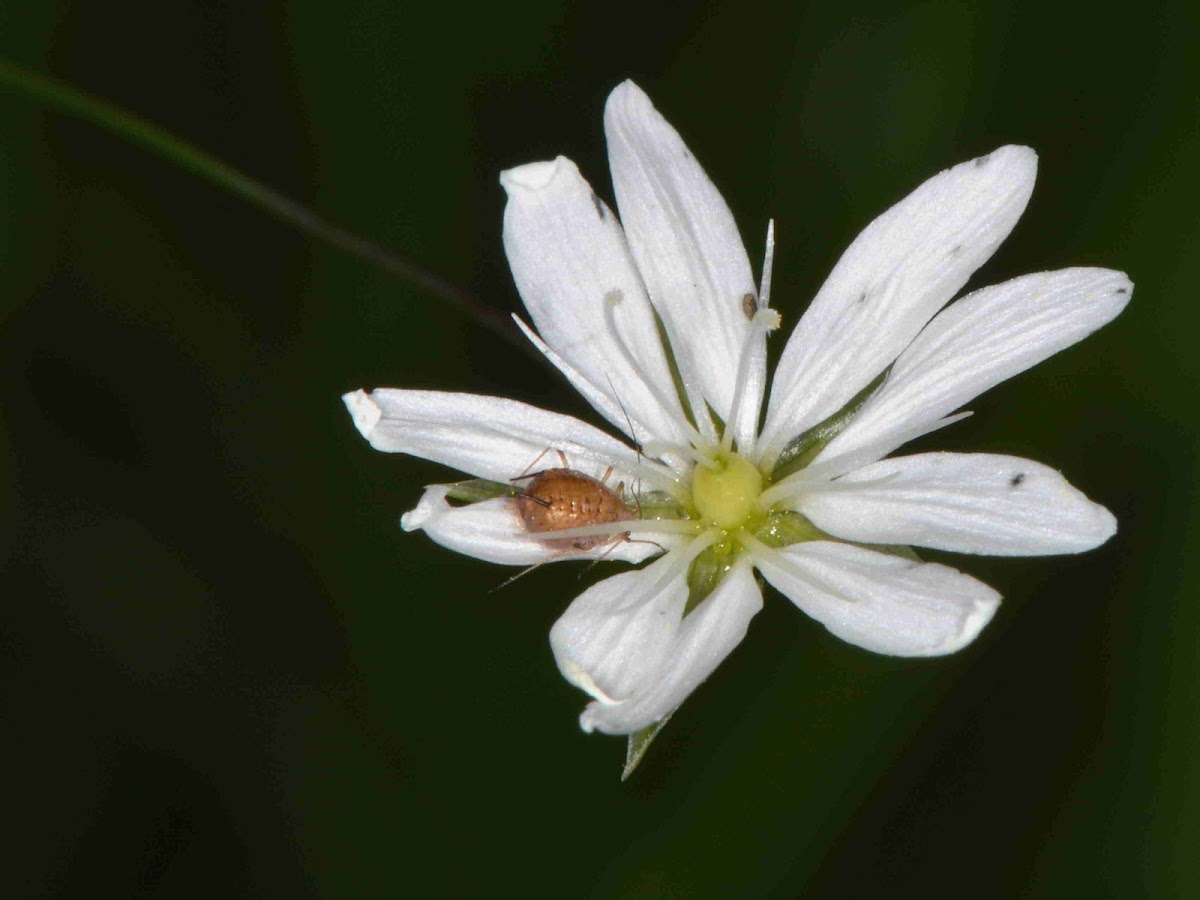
(589, 719)
(535, 176)
(981, 612)
(578, 676)
(428, 509)
(365, 412)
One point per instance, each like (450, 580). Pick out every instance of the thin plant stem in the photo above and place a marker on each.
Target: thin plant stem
(81, 105)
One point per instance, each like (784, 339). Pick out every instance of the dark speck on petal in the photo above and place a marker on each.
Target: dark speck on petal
(1016, 480)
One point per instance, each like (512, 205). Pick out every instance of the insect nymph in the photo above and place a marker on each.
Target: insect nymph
(557, 499)
(562, 498)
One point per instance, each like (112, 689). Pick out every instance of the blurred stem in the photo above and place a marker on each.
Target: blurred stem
(160, 142)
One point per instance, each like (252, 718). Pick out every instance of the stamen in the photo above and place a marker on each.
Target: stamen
(754, 349)
(877, 450)
(767, 319)
(695, 454)
(678, 458)
(835, 466)
(793, 490)
(611, 300)
(660, 449)
(683, 558)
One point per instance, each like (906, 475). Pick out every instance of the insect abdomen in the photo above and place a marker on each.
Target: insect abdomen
(563, 498)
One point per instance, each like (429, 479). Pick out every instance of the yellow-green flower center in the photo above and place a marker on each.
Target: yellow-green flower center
(727, 496)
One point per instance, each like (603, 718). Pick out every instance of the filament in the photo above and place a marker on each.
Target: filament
(835, 466)
(673, 568)
(753, 349)
(793, 490)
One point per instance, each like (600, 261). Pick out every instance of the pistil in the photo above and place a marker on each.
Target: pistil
(728, 496)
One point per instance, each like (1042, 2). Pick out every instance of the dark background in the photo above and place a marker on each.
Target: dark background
(226, 671)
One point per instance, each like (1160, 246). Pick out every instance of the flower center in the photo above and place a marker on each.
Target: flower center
(727, 494)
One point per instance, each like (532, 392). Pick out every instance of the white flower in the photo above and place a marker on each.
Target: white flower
(657, 321)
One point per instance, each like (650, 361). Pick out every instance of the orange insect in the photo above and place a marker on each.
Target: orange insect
(556, 499)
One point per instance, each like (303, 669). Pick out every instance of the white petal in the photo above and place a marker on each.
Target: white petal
(978, 342)
(568, 253)
(490, 437)
(899, 271)
(686, 244)
(700, 642)
(969, 503)
(881, 602)
(492, 531)
(616, 632)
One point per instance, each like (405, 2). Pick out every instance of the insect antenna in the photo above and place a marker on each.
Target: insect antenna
(554, 557)
(637, 445)
(622, 539)
(636, 488)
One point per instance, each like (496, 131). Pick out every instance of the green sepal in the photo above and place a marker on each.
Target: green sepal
(786, 527)
(655, 505)
(476, 490)
(639, 742)
(707, 571)
(717, 421)
(901, 550)
(803, 449)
